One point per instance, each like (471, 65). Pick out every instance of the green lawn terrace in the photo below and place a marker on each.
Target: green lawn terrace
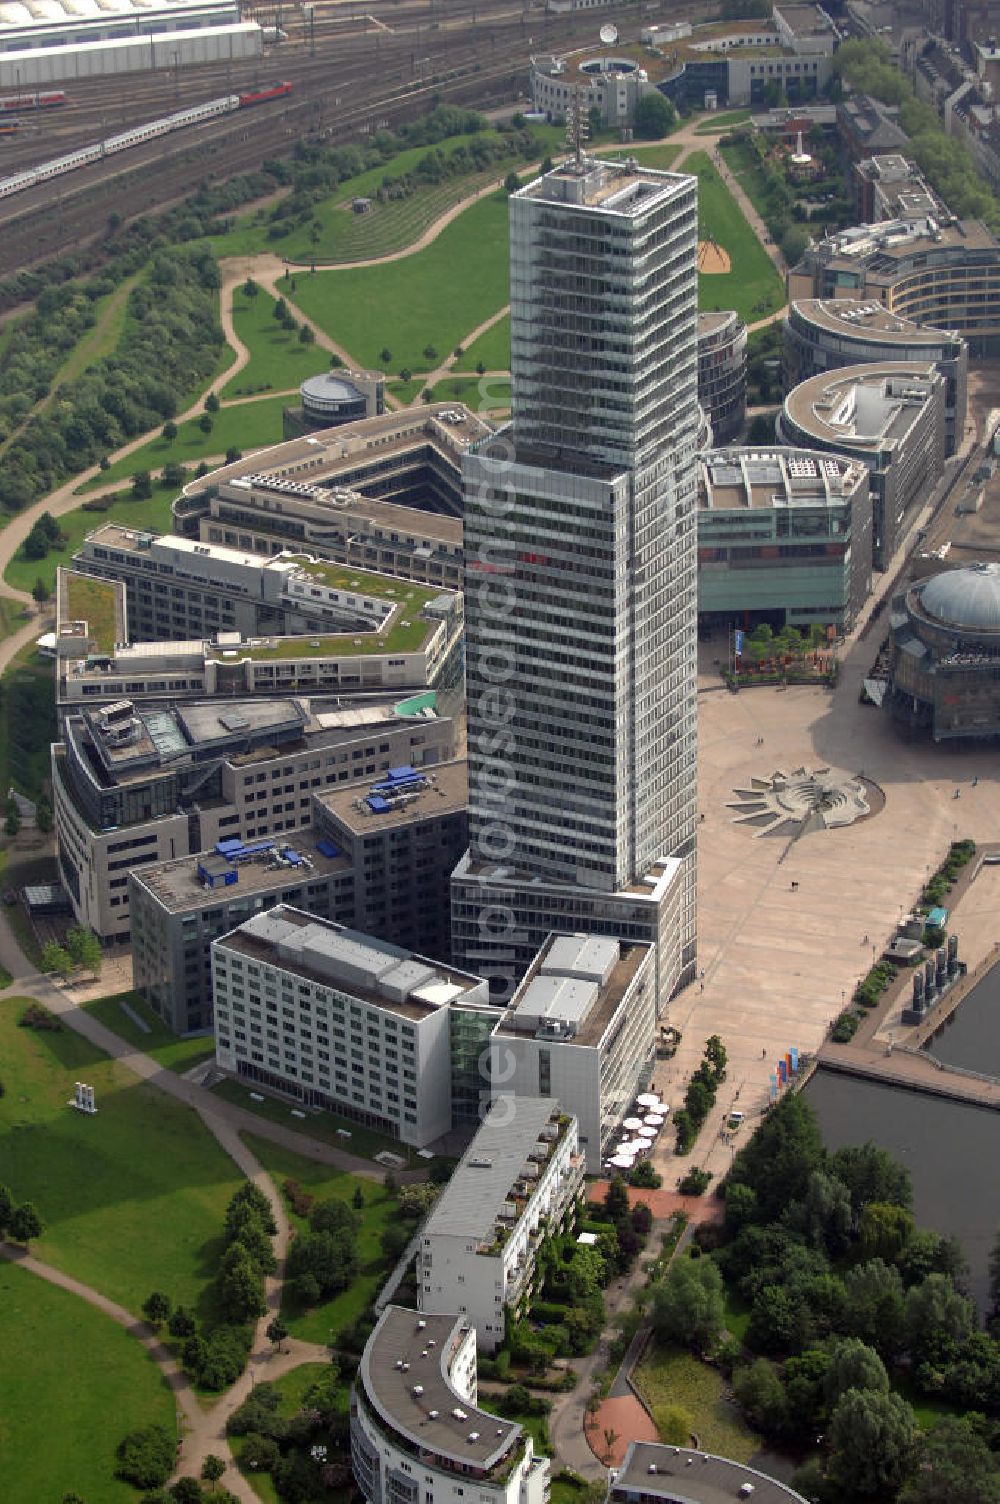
(406, 617)
(90, 613)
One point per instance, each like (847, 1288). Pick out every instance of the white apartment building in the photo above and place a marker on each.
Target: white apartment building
(581, 521)
(340, 1020)
(417, 1435)
(651, 1473)
(580, 1028)
(517, 1181)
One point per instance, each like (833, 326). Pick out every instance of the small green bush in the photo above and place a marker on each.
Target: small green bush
(845, 1028)
(695, 1182)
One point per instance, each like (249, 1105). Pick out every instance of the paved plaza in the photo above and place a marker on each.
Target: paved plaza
(787, 926)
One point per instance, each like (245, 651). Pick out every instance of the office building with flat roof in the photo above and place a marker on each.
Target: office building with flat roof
(384, 493)
(478, 1243)
(382, 865)
(825, 334)
(403, 847)
(133, 786)
(945, 273)
(651, 1473)
(580, 530)
(784, 535)
(722, 373)
(890, 417)
(891, 187)
(580, 1028)
(340, 1020)
(263, 514)
(178, 908)
(179, 589)
(417, 1434)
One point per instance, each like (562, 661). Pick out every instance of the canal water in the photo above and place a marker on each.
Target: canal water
(950, 1149)
(972, 1037)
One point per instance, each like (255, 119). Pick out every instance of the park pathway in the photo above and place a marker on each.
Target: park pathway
(449, 366)
(175, 1377)
(749, 213)
(204, 1429)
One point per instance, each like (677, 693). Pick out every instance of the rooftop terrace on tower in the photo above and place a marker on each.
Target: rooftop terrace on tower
(611, 186)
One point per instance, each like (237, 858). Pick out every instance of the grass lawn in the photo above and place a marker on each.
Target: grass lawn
(322, 1125)
(155, 513)
(324, 1323)
(245, 425)
(660, 155)
(737, 1314)
(712, 124)
(277, 359)
(404, 391)
(928, 1411)
(567, 1488)
(537, 1426)
(752, 287)
(161, 1043)
(668, 1376)
(80, 1385)
(132, 1199)
(94, 601)
(345, 236)
(492, 348)
(339, 227)
(481, 394)
(27, 723)
(434, 297)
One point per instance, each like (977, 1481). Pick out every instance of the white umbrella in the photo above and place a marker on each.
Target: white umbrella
(648, 1132)
(648, 1099)
(632, 1124)
(623, 1161)
(654, 1120)
(641, 1146)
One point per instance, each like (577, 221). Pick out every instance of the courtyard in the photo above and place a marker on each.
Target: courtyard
(786, 925)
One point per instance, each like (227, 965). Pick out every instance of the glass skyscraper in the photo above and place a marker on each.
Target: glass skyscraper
(580, 542)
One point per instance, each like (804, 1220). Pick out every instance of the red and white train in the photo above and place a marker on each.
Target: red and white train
(32, 176)
(14, 104)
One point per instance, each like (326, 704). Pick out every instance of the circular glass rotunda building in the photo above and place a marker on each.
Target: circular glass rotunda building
(945, 660)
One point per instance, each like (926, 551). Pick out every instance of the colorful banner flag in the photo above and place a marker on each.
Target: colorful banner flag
(795, 1059)
(738, 642)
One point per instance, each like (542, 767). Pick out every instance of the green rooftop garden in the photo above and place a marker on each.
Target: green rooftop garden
(95, 602)
(344, 577)
(407, 635)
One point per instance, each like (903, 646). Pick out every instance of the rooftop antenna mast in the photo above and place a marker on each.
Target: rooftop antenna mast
(577, 126)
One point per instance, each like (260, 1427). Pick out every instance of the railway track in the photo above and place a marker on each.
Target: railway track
(358, 78)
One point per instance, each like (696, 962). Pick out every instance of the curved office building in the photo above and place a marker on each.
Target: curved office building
(825, 334)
